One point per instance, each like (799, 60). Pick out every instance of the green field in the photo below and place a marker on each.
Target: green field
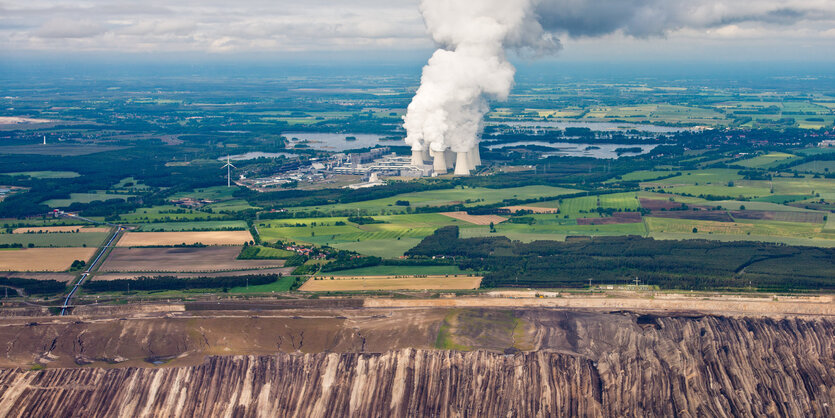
(235, 205)
(385, 248)
(389, 239)
(80, 239)
(714, 182)
(209, 193)
(585, 206)
(641, 175)
(191, 226)
(740, 228)
(281, 285)
(84, 198)
(815, 151)
(398, 271)
(767, 160)
(805, 186)
(569, 229)
(816, 167)
(470, 196)
(123, 185)
(167, 213)
(274, 253)
(45, 174)
(701, 177)
(511, 234)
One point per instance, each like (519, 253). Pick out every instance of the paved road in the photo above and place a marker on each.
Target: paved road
(90, 268)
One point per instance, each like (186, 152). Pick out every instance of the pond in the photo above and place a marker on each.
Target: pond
(597, 126)
(336, 142)
(565, 149)
(256, 154)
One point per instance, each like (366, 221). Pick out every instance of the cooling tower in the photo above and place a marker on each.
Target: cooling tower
(475, 156)
(449, 157)
(417, 157)
(438, 161)
(462, 164)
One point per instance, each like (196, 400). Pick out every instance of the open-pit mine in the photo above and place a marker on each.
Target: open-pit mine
(345, 357)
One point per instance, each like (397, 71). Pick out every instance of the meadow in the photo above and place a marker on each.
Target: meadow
(85, 198)
(371, 283)
(281, 285)
(768, 160)
(167, 213)
(586, 206)
(389, 239)
(68, 239)
(45, 174)
(742, 228)
(383, 270)
(192, 226)
(469, 196)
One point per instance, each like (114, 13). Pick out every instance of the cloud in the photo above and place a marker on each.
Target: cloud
(323, 25)
(68, 29)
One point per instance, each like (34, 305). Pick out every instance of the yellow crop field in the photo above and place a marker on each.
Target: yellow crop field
(475, 219)
(56, 229)
(144, 239)
(325, 284)
(43, 259)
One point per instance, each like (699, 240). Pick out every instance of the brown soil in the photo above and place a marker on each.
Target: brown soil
(616, 218)
(205, 259)
(227, 273)
(696, 215)
(321, 362)
(43, 259)
(534, 209)
(807, 217)
(475, 219)
(138, 239)
(658, 204)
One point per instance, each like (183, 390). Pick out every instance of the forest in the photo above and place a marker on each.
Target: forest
(685, 264)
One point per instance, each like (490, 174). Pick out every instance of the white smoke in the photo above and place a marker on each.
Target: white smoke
(471, 66)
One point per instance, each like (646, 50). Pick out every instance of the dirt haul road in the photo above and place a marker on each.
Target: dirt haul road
(721, 305)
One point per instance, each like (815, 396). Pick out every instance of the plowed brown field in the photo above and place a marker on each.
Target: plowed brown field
(142, 239)
(42, 259)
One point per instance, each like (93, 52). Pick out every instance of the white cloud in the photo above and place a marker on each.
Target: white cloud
(223, 26)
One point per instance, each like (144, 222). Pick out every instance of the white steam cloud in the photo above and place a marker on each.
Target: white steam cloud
(470, 67)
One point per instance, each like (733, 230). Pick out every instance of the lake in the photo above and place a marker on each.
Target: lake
(565, 149)
(256, 154)
(596, 126)
(336, 142)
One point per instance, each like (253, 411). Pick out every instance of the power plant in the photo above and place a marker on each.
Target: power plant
(461, 163)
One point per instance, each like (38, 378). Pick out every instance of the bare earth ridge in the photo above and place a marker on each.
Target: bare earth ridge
(322, 358)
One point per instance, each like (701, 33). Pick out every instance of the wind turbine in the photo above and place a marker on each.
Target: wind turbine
(228, 166)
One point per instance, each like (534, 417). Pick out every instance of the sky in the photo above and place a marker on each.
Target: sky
(587, 30)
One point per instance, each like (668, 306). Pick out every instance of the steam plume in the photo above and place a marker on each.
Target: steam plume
(471, 66)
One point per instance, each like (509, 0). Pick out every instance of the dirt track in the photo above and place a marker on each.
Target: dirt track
(391, 283)
(661, 303)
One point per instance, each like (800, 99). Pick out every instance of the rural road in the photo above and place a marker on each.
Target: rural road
(102, 251)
